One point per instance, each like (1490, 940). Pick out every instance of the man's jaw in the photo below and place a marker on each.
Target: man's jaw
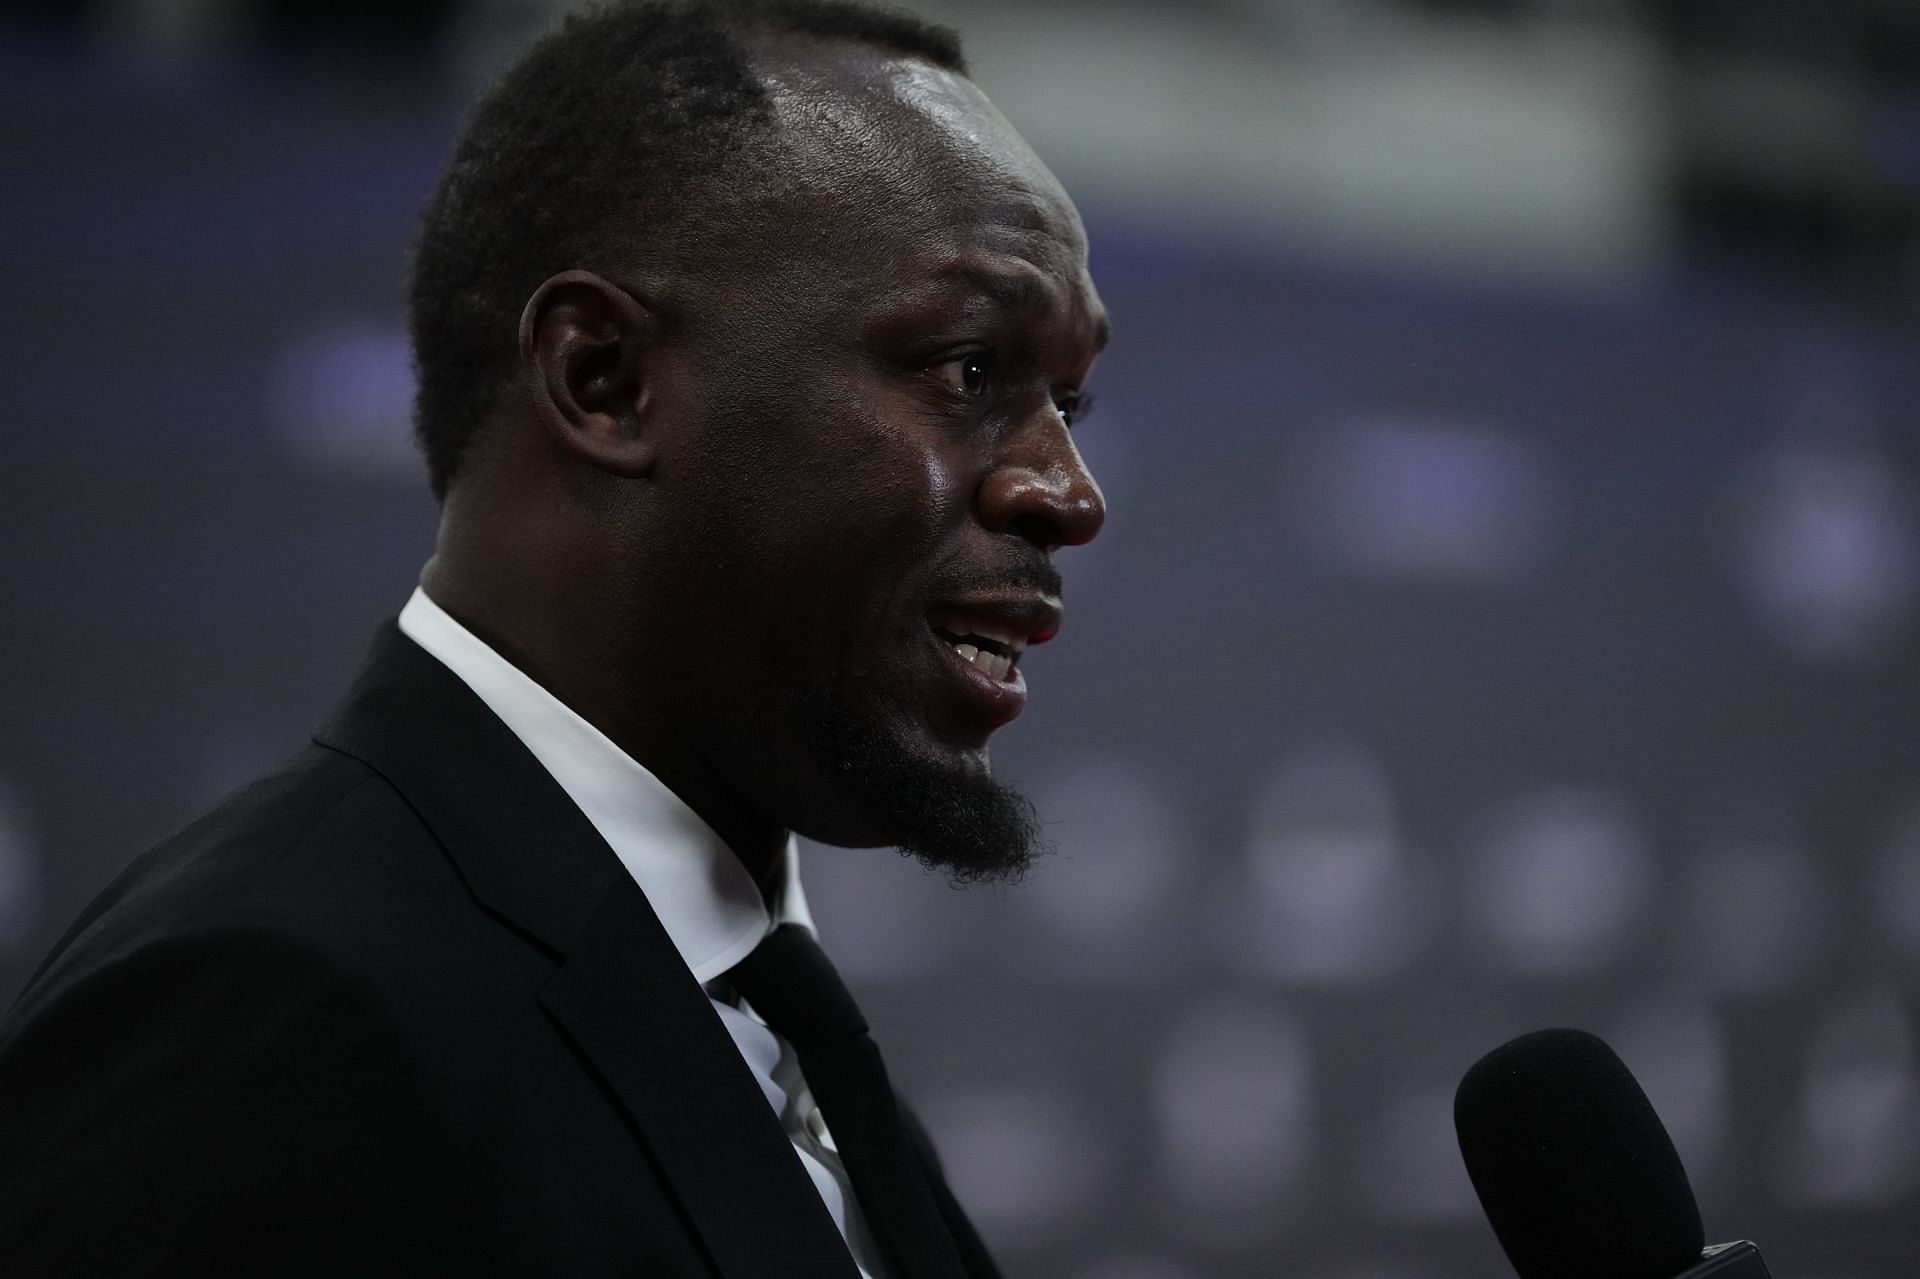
(936, 801)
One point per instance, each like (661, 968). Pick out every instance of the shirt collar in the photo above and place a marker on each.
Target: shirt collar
(704, 897)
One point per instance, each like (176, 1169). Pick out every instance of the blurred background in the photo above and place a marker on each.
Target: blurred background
(1509, 614)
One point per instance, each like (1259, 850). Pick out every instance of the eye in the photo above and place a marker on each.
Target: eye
(1072, 406)
(968, 376)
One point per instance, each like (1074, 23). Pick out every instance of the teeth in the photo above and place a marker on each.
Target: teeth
(981, 628)
(992, 663)
(986, 630)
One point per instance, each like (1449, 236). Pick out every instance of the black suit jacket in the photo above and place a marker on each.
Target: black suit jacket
(394, 1009)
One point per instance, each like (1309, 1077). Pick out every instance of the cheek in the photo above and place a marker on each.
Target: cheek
(837, 505)
(913, 507)
(892, 481)
(899, 508)
(942, 487)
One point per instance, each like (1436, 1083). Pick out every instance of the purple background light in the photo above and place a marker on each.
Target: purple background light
(1509, 614)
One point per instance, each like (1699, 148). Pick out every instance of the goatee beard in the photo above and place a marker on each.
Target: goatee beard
(957, 820)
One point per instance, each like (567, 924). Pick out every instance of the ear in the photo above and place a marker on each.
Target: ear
(588, 346)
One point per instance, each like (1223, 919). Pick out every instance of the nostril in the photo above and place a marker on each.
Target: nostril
(1036, 530)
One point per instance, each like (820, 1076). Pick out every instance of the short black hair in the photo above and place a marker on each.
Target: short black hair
(604, 128)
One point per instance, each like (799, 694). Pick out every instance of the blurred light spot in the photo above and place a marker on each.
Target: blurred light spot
(1856, 1133)
(339, 397)
(1332, 896)
(1233, 1104)
(22, 876)
(1107, 890)
(1557, 885)
(1830, 549)
(1413, 1173)
(1434, 501)
(1020, 1158)
(1678, 1054)
(1755, 916)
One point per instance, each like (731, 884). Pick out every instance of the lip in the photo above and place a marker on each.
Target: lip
(1035, 616)
(988, 702)
(978, 697)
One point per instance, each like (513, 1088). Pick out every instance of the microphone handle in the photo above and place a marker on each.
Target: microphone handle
(1739, 1260)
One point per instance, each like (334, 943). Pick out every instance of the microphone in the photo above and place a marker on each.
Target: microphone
(1575, 1170)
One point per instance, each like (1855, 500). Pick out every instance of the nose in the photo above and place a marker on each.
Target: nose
(1040, 490)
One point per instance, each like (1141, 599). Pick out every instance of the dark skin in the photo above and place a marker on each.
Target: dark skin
(753, 467)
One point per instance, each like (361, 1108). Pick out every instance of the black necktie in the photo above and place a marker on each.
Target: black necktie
(790, 981)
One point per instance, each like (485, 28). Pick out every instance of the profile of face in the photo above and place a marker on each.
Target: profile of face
(866, 465)
(892, 463)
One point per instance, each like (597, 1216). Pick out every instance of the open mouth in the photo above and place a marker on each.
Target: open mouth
(994, 650)
(986, 633)
(990, 632)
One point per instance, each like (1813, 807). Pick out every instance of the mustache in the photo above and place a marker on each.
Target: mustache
(1026, 577)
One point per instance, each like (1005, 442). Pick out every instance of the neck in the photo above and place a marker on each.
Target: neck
(545, 624)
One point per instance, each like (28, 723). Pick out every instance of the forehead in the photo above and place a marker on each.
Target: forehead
(910, 161)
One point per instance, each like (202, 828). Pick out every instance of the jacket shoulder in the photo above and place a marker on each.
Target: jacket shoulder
(264, 853)
(214, 1094)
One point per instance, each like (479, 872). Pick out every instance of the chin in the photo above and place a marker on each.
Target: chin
(937, 802)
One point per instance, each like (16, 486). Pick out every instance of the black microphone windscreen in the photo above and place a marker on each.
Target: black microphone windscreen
(1577, 1174)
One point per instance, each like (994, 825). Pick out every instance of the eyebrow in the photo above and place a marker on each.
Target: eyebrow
(1023, 291)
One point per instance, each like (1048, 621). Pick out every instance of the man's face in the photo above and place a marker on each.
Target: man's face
(884, 467)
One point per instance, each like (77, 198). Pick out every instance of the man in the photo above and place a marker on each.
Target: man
(749, 340)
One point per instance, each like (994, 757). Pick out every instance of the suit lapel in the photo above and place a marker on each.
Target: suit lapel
(701, 1112)
(622, 995)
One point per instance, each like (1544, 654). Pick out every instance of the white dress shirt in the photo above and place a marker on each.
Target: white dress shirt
(707, 902)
